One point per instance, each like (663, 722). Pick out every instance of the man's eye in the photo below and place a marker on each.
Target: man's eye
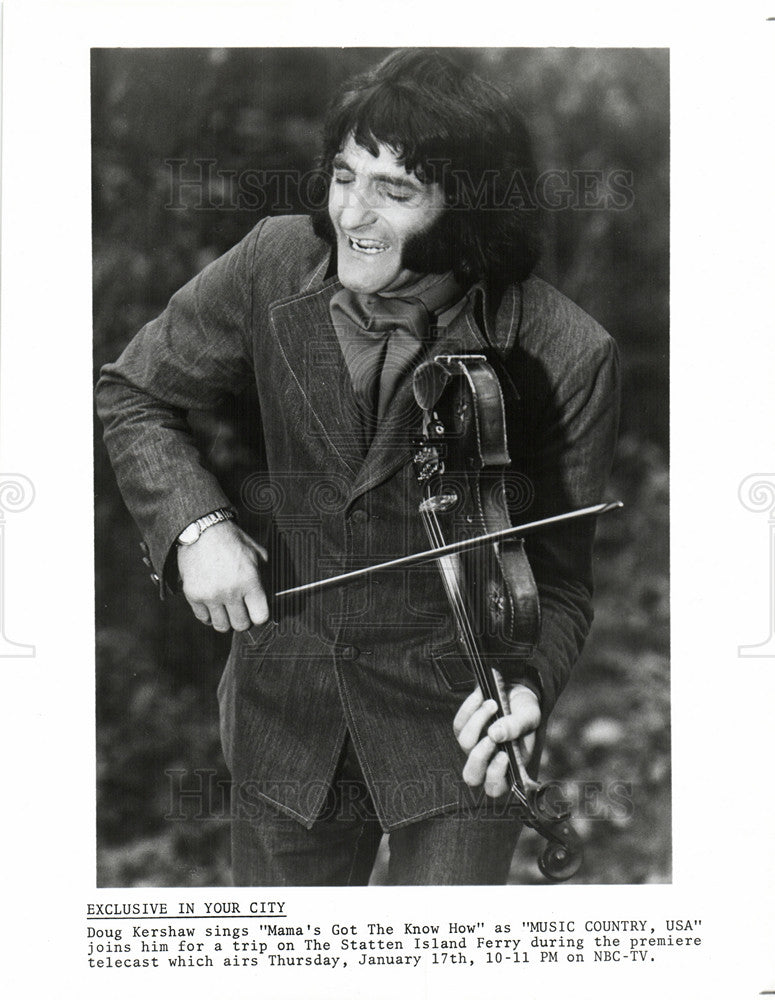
(343, 178)
(398, 195)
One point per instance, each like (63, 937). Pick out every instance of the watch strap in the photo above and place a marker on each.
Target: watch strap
(192, 532)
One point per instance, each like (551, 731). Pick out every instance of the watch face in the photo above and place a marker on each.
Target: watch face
(189, 535)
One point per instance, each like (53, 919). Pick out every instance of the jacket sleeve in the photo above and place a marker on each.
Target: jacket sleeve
(570, 410)
(196, 352)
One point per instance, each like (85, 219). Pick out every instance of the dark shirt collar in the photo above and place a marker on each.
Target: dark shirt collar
(484, 299)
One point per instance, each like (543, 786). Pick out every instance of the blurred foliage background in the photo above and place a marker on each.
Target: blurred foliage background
(252, 110)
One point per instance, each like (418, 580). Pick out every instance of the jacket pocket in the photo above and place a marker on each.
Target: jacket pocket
(453, 667)
(256, 637)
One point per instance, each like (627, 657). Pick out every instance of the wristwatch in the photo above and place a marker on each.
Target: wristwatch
(191, 533)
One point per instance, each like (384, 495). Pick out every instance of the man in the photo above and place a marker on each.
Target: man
(352, 712)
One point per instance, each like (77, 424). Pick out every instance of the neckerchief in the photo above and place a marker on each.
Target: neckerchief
(383, 336)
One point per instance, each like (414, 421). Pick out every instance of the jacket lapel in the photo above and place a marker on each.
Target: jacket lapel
(309, 346)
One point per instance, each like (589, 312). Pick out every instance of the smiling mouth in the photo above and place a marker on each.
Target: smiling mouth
(367, 246)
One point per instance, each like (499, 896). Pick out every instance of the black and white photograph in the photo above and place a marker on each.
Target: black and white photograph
(387, 500)
(418, 283)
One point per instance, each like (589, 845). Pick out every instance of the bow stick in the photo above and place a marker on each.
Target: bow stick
(452, 547)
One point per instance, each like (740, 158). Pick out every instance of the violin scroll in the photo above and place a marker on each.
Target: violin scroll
(561, 860)
(563, 854)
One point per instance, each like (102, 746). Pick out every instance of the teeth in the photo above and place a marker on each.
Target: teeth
(367, 246)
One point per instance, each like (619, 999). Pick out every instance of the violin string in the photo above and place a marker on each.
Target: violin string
(459, 609)
(484, 677)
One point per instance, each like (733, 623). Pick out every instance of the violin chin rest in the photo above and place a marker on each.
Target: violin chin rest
(429, 382)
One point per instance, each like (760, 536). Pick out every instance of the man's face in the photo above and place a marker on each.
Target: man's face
(376, 207)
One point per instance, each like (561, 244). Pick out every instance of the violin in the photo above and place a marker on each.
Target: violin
(461, 463)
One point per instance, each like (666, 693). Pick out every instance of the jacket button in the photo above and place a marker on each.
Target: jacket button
(360, 516)
(348, 652)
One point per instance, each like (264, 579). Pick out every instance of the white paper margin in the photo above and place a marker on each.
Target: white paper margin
(723, 162)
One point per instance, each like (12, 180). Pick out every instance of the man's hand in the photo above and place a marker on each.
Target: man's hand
(220, 578)
(479, 736)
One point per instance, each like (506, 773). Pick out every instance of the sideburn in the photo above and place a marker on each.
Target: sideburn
(434, 251)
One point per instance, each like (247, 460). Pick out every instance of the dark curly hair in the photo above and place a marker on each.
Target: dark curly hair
(445, 125)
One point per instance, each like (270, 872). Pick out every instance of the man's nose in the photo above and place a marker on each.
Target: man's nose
(357, 210)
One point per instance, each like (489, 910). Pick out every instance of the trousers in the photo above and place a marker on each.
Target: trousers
(270, 848)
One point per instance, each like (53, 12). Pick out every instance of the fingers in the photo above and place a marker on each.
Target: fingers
(234, 615)
(479, 759)
(481, 736)
(471, 733)
(252, 609)
(219, 618)
(201, 612)
(496, 782)
(515, 728)
(485, 764)
(512, 727)
(256, 605)
(524, 717)
(472, 702)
